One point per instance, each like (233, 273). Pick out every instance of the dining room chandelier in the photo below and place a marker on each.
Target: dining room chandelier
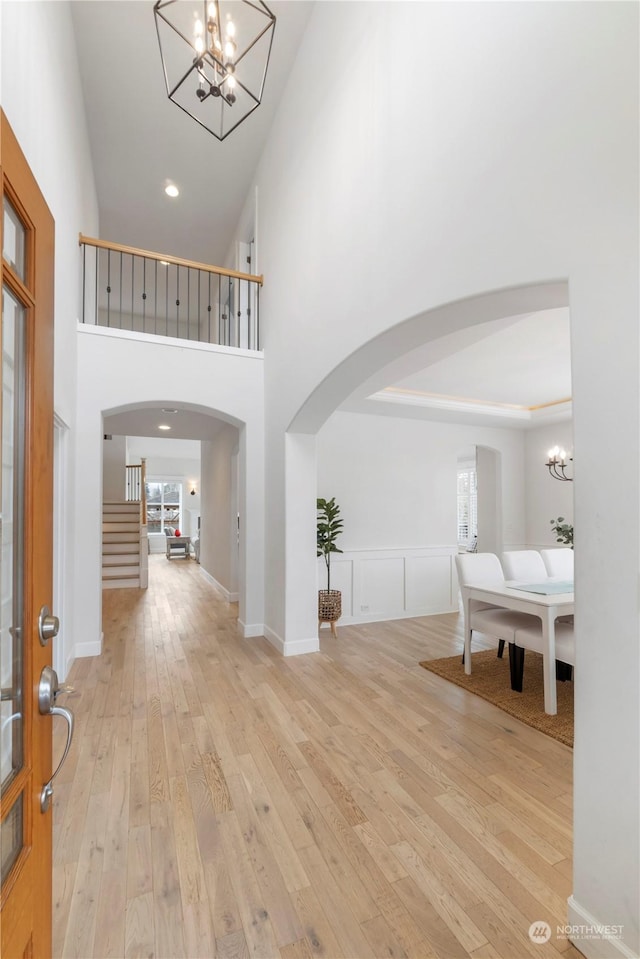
(557, 464)
(215, 55)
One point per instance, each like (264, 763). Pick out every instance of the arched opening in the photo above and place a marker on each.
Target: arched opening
(359, 376)
(195, 474)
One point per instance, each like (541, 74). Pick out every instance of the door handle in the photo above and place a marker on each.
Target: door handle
(47, 691)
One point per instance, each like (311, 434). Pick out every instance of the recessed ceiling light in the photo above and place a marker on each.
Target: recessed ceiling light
(166, 409)
(163, 426)
(172, 190)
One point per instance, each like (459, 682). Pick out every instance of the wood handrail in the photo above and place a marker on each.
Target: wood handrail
(174, 260)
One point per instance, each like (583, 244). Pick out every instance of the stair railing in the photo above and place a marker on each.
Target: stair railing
(130, 289)
(136, 487)
(134, 484)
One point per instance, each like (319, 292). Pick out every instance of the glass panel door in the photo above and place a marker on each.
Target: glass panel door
(12, 568)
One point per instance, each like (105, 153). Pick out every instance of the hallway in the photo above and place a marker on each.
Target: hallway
(220, 800)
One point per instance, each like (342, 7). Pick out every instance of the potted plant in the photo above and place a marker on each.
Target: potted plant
(563, 531)
(329, 527)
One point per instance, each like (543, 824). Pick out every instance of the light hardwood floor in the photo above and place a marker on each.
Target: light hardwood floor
(220, 800)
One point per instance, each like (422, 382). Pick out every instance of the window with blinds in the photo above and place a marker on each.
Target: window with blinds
(467, 506)
(164, 505)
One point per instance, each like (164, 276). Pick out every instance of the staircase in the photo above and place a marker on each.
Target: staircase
(122, 564)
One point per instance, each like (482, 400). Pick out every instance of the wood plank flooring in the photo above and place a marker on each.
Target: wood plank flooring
(221, 801)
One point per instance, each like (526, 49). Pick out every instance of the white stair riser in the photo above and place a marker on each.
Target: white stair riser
(121, 545)
(120, 518)
(121, 583)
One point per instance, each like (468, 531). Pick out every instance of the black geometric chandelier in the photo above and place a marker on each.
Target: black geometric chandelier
(215, 56)
(557, 464)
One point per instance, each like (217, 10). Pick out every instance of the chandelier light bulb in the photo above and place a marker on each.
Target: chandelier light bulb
(231, 28)
(198, 28)
(229, 49)
(211, 11)
(199, 45)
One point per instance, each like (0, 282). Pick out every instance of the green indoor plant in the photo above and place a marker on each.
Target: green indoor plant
(328, 528)
(563, 531)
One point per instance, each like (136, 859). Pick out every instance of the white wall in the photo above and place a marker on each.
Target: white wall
(48, 119)
(395, 480)
(114, 460)
(490, 491)
(547, 498)
(218, 540)
(485, 173)
(207, 379)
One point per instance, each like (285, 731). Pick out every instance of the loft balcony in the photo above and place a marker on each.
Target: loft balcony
(124, 288)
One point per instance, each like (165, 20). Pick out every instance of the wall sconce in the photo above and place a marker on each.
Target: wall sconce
(193, 489)
(557, 464)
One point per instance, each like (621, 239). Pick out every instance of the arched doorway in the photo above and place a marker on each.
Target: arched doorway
(375, 360)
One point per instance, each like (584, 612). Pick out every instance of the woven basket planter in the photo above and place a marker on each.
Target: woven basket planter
(329, 605)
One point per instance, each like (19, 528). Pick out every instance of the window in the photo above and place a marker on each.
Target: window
(467, 506)
(164, 505)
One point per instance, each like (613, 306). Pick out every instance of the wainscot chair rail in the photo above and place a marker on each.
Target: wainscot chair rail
(130, 289)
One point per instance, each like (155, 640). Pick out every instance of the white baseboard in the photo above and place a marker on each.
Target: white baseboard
(251, 630)
(276, 641)
(88, 649)
(296, 647)
(588, 935)
(226, 595)
(389, 615)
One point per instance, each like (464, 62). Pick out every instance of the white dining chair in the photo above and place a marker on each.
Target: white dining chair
(525, 565)
(530, 637)
(558, 562)
(484, 569)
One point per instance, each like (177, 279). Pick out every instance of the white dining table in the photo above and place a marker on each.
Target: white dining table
(546, 606)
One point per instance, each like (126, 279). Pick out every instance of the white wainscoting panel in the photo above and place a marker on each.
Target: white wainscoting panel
(380, 584)
(429, 581)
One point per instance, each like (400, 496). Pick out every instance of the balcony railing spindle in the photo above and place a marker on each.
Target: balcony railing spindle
(128, 284)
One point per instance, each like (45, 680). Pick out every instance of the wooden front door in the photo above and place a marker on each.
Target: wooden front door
(26, 502)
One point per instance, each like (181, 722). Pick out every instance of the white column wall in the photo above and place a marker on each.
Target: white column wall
(217, 539)
(206, 379)
(114, 460)
(47, 116)
(485, 172)
(490, 485)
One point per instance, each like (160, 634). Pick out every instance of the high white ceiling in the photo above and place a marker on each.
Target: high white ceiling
(140, 139)
(513, 372)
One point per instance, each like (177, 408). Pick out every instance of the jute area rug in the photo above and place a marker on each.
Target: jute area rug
(490, 680)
